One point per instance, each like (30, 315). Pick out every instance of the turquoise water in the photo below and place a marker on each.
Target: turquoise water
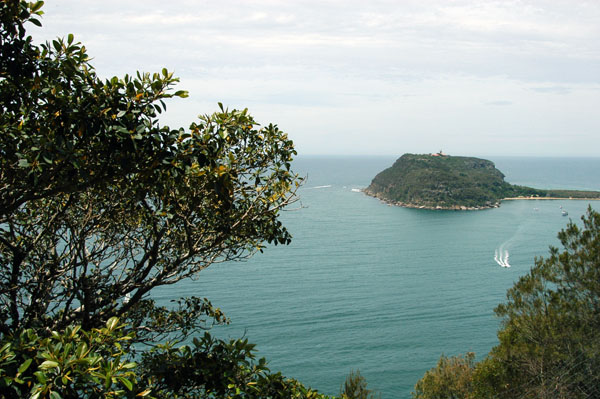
(385, 289)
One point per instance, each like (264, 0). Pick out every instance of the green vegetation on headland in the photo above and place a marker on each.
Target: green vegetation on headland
(439, 181)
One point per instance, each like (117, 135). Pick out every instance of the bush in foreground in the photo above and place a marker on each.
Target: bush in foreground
(549, 346)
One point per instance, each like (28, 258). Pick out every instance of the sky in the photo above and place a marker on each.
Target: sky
(357, 77)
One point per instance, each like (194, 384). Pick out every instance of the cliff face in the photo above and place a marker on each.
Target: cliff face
(447, 182)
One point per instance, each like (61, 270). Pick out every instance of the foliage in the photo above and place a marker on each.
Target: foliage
(69, 364)
(97, 364)
(450, 379)
(452, 182)
(100, 204)
(63, 129)
(214, 368)
(440, 181)
(355, 387)
(549, 346)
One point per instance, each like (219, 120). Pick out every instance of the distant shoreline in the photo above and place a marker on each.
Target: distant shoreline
(550, 198)
(429, 207)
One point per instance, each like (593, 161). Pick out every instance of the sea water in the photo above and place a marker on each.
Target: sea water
(385, 289)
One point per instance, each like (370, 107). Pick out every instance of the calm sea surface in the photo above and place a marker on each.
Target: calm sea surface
(385, 289)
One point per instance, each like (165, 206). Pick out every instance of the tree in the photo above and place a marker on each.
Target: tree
(549, 345)
(99, 204)
(355, 387)
(450, 379)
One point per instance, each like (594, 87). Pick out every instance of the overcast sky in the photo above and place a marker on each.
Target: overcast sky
(366, 77)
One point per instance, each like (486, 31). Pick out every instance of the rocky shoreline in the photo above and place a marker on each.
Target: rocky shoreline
(431, 207)
(462, 207)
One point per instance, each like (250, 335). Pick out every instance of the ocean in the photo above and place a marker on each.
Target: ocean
(385, 289)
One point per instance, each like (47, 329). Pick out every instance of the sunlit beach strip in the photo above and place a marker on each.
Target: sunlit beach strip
(550, 198)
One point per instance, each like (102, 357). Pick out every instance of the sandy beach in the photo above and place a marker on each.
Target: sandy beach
(549, 198)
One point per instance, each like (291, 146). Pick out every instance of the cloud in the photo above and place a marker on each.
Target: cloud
(523, 40)
(552, 89)
(499, 102)
(414, 70)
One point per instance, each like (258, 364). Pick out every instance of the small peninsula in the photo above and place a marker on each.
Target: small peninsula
(440, 181)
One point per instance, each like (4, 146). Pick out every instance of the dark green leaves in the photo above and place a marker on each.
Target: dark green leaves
(100, 204)
(213, 367)
(24, 366)
(106, 202)
(69, 363)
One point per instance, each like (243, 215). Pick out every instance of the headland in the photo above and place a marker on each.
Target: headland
(440, 181)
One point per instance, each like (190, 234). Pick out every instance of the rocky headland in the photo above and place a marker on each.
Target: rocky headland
(439, 181)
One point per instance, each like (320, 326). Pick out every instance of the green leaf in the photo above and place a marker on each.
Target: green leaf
(81, 350)
(5, 347)
(146, 392)
(48, 364)
(181, 93)
(41, 377)
(112, 323)
(25, 366)
(70, 38)
(36, 6)
(129, 365)
(74, 331)
(126, 382)
(55, 395)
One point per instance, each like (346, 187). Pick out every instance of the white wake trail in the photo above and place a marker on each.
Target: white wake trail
(501, 256)
(506, 264)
